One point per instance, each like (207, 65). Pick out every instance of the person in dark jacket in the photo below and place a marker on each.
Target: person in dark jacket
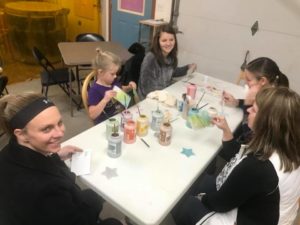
(37, 188)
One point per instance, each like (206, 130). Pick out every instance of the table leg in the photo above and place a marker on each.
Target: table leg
(70, 91)
(140, 33)
(77, 79)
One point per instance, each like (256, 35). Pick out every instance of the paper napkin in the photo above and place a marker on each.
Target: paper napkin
(81, 162)
(122, 97)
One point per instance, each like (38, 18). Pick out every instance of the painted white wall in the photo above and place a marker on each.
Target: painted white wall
(217, 34)
(163, 10)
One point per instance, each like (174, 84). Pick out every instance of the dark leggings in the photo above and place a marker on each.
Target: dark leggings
(110, 221)
(96, 203)
(190, 209)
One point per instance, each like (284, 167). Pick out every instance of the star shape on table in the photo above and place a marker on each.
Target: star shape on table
(187, 152)
(110, 172)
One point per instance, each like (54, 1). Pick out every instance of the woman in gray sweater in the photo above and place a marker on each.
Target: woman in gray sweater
(160, 64)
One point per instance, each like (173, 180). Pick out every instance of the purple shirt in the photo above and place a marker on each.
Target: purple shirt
(96, 93)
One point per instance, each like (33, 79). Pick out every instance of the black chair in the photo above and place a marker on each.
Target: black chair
(131, 69)
(3, 80)
(51, 75)
(3, 83)
(89, 37)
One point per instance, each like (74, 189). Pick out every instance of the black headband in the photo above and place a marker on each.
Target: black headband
(26, 114)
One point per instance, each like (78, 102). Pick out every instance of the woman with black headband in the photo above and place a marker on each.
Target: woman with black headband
(36, 186)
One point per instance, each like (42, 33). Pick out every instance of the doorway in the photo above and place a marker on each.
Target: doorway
(125, 17)
(85, 18)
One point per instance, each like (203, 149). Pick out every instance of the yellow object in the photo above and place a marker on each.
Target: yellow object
(84, 17)
(142, 126)
(39, 24)
(84, 90)
(38, 8)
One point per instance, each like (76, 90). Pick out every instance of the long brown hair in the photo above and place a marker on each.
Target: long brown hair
(156, 49)
(276, 126)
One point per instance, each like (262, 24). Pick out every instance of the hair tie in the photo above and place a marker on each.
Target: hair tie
(26, 114)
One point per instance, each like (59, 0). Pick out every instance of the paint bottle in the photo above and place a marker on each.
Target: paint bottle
(129, 132)
(114, 145)
(125, 116)
(191, 90)
(142, 126)
(185, 108)
(157, 118)
(179, 105)
(112, 126)
(165, 134)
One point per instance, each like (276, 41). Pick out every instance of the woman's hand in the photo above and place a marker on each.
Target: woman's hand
(192, 67)
(132, 85)
(221, 123)
(66, 152)
(229, 100)
(109, 95)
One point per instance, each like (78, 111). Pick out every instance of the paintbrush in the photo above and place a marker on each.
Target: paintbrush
(222, 105)
(145, 142)
(125, 103)
(171, 121)
(135, 96)
(202, 106)
(200, 99)
(138, 110)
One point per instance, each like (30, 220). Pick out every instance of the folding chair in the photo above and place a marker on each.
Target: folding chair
(51, 75)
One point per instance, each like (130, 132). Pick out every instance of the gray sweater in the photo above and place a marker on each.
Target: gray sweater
(155, 77)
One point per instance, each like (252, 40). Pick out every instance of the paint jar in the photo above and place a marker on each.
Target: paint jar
(212, 112)
(165, 134)
(157, 118)
(192, 118)
(185, 109)
(125, 116)
(129, 132)
(112, 126)
(198, 119)
(142, 126)
(114, 145)
(191, 90)
(179, 105)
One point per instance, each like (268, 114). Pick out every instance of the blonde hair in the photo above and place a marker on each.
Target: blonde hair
(11, 104)
(104, 59)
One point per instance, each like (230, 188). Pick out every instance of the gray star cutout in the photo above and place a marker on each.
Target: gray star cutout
(187, 152)
(110, 172)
